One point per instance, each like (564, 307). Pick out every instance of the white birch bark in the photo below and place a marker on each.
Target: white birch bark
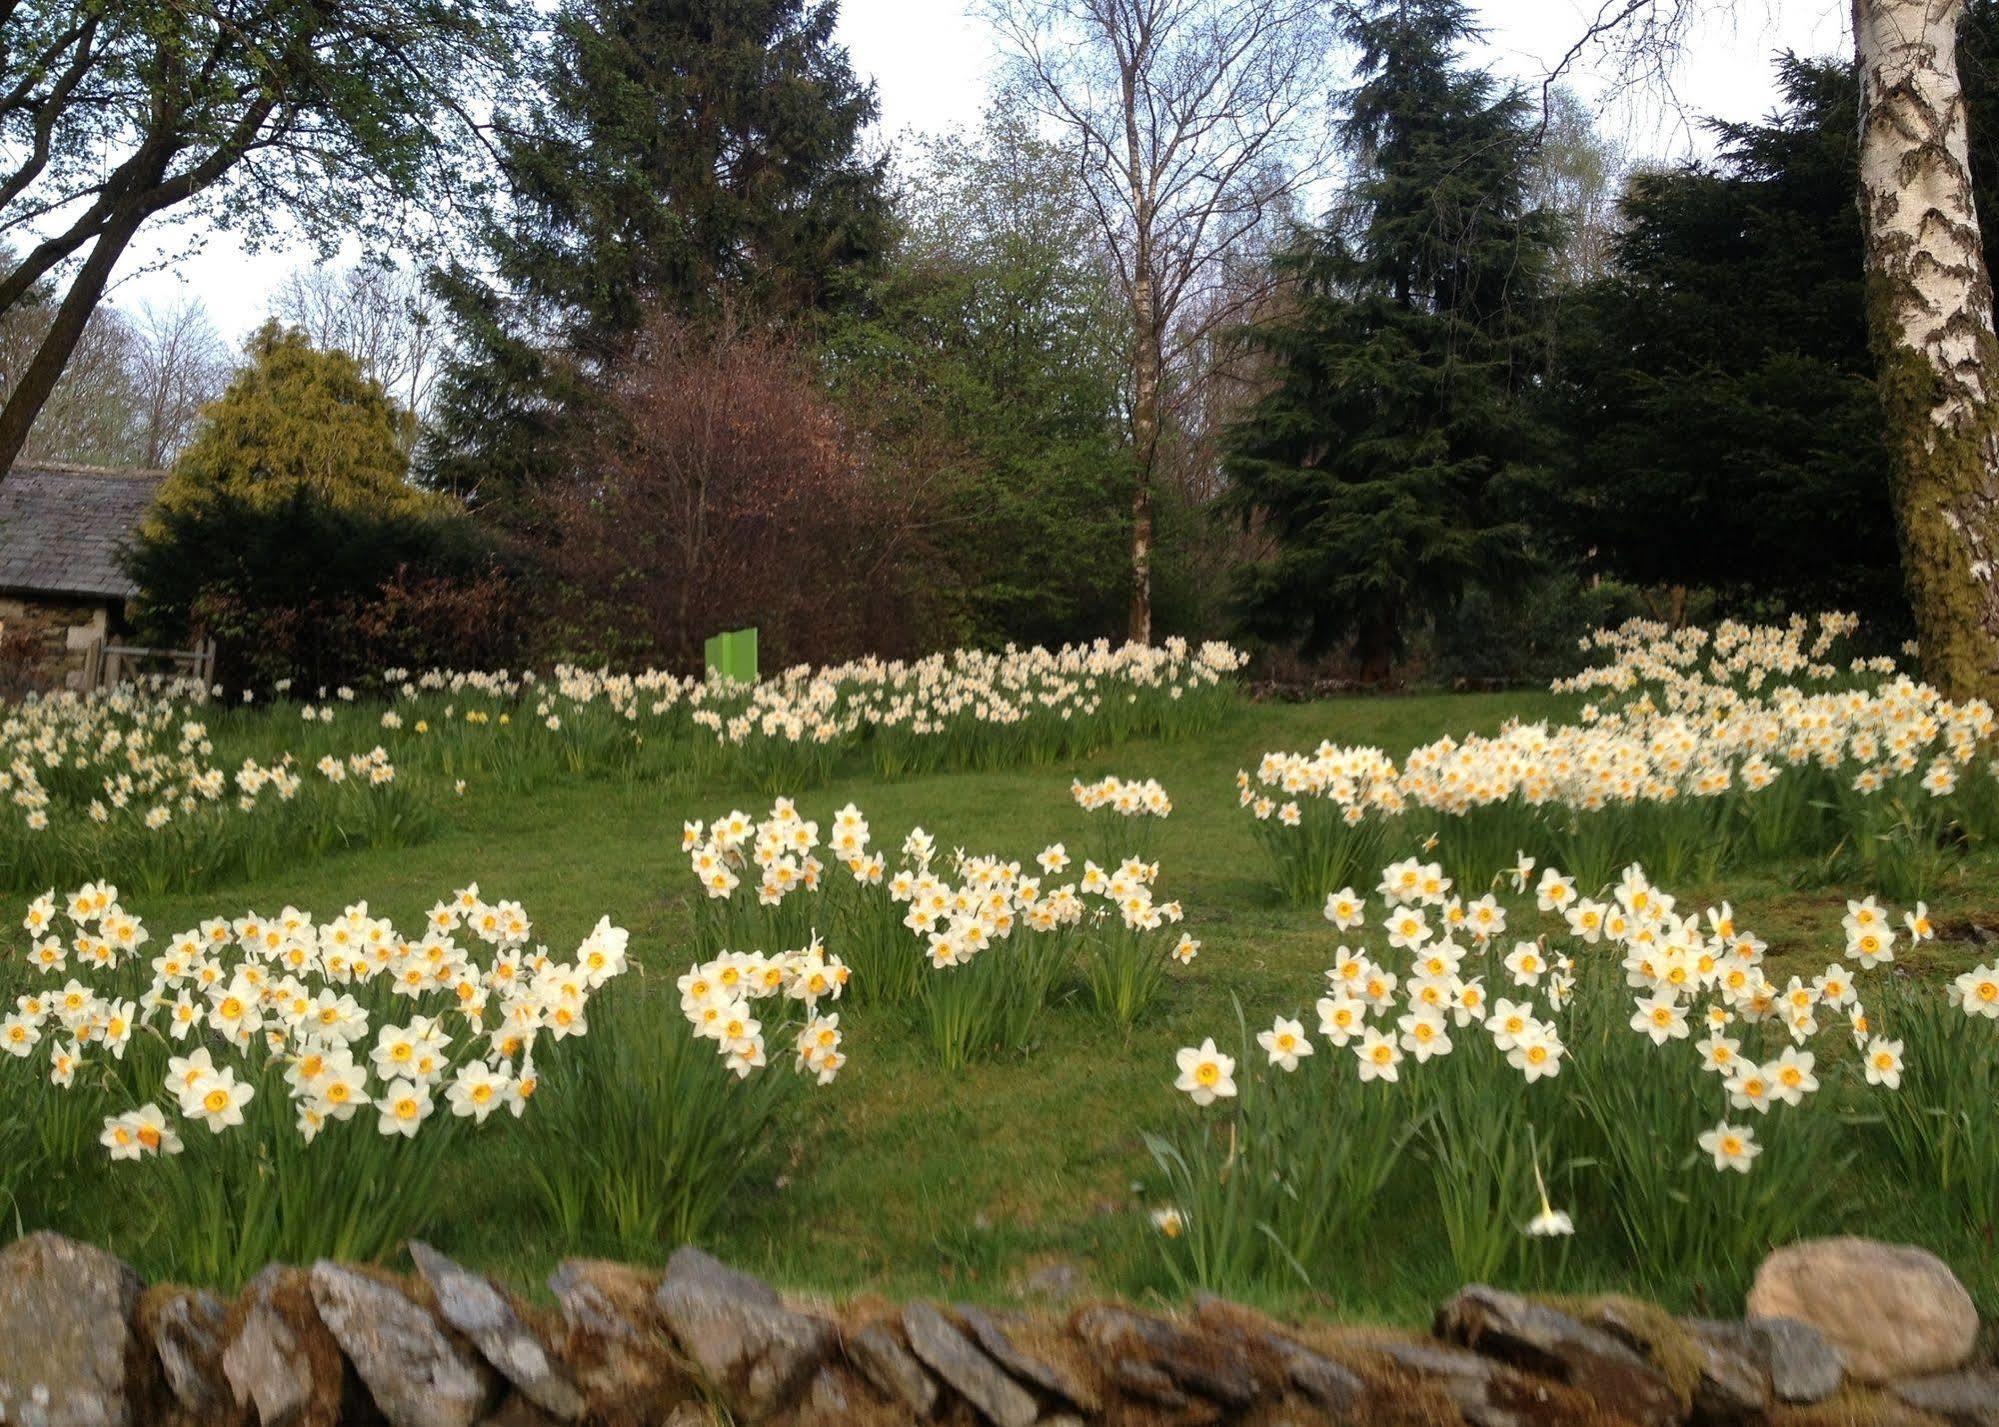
(1930, 323)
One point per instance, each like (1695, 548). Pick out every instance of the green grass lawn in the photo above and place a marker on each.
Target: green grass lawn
(900, 1179)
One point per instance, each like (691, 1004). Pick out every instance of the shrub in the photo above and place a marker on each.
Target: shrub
(321, 593)
(1525, 633)
(728, 489)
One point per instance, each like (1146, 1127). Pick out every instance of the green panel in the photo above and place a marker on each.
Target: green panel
(743, 654)
(733, 654)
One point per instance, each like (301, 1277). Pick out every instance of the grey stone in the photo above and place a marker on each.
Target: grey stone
(1892, 1310)
(65, 1333)
(688, 1262)
(1536, 1339)
(1431, 1360)
(1329, 1386)
(892, 1368)
(1051, 1377)
(1139, 1378)
(970, 1373)
(1963, 1399)
(416, 1375)
(827, 1398)
(265, 1372)
(470, 1304)
(186, 1330)
(1734, 1388)
(611, 1301)
(267, 1369)
(1802, 1366)
(1484, 1393)
(621, 1359)
(1127, 1341)
(758, 1356)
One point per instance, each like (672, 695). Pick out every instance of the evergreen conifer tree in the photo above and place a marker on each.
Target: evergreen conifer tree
(1401, 355)
(298, 422)
(1715, 391)
(688, 156)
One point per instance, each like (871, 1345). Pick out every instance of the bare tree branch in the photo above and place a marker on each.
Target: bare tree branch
(1194, 123)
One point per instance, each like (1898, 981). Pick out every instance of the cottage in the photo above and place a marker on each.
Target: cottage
(62, 592)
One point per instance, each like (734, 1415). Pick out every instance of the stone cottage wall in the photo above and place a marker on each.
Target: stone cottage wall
(44, 642)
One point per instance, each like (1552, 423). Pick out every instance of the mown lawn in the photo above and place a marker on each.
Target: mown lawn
(899, 1179)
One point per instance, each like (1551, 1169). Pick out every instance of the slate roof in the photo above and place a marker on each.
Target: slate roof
(61, 528)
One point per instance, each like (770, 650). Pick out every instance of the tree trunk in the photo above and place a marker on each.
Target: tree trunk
(1374, 648)
(1147, 365)
(29, 392)
(1929, 319)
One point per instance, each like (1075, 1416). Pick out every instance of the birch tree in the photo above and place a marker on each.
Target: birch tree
(1929, 318)
(1191, 122)
(1929, 308)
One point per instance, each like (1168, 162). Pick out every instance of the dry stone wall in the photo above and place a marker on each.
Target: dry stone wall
(83, 1343)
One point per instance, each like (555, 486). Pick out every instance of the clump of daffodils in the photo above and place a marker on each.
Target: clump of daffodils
(765, 873)
(1128, 815)
(1352, 781)
(1448, 969)
(956, 921)
(779, 851)
(1385, 1018)
(777, 881)
(135, 773)
(140, 756)
(1126, 797)
(991, 896)
(1736, 719)
(347, 1017)
(906, 709)
(1869, 739)
(720, 1000)
(1687, 662)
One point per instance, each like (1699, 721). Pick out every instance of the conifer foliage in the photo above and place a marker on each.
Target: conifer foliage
(298, 419)
(1377, 466)
(1715, 390)
(685, 157)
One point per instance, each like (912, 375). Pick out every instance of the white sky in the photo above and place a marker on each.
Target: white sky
(931, 65)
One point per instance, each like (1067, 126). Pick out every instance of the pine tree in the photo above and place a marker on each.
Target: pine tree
(686, 156)
(1375, 466)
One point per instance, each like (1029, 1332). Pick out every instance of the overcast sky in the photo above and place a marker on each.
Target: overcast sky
(931, 65)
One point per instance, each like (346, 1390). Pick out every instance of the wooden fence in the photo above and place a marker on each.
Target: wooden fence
(105, 664)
